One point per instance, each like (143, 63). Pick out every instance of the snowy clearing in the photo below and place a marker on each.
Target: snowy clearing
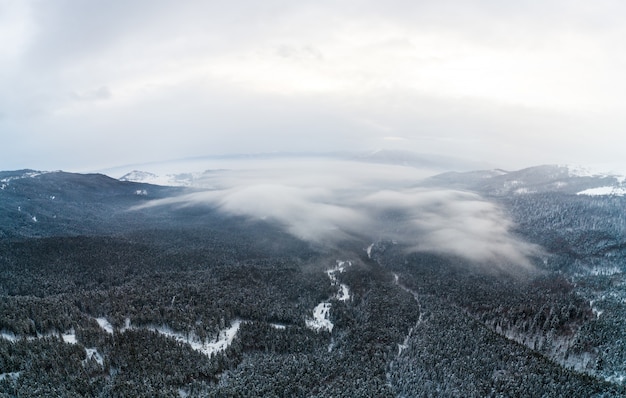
(222, 342)
(93, 353)
(105, 324)
(209, 348)
(320, 319)
(344, 292)
(321, 312)
(69, 337)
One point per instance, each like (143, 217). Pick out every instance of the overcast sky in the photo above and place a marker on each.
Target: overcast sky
(86, 85)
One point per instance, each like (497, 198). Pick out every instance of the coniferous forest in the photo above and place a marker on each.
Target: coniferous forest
(181, 301)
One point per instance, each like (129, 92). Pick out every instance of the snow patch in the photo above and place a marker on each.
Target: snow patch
(10, 375)
(278, 326)
(616, 378)
(93, 353)
(34, 218)
(8, 336)
(597, 312)
(69, 337)
(28, 174)
(106, 325)
(369, 251)
(126, 325)
(320, 319)
(405, 343)
(141, 192)
(344, 291)
(321, 312)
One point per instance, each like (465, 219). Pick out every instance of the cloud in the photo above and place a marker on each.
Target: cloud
(324, 201)
(516, 84)
(97, 94)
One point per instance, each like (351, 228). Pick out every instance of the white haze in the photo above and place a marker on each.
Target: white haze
(325, 200)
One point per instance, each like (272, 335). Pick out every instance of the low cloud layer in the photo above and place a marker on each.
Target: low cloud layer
(323, 201)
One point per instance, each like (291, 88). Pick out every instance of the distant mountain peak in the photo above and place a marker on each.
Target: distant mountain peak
(138, 176)
(173, 180)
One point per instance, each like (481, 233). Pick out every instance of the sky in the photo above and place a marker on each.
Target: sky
(93, 85)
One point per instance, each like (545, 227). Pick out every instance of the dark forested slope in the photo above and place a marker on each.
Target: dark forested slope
(97, 300)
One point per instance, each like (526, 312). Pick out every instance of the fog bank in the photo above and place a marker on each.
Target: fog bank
(323, 201)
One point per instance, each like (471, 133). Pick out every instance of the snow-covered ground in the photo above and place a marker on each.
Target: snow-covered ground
(598, 170)
(29, 174)
(105, 325)
(222, 342)
(69, 337)
(93, 353)
(320, 320)
(8, 336)
(604, 191)
(165, 179)
(209, 348)
(369, 251)
(344, 291)
(321, 312)
(596, 311)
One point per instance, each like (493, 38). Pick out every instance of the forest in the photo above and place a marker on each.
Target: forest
(188, 302)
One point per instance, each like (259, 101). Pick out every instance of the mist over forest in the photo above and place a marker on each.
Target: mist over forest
(312, 276)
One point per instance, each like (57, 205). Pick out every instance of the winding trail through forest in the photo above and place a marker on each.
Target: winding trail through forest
(405, 343)
(420, 318)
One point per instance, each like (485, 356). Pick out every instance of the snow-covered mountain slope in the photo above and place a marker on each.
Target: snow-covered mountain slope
(538, 179)
(35, 203)
(604, 191)
(173, 180)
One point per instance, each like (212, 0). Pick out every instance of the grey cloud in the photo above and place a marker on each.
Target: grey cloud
(322, 205)
(156, 57)
(101, 93)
